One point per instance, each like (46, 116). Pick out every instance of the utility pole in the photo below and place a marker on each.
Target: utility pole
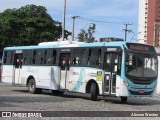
(73, 17)
(64, 19)
(126, 30)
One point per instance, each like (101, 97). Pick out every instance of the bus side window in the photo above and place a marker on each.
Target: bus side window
(45, 56)
(94, 57)
(25, 61)
(83, 57)
(98, 62)
(11, 60)
(26, 56)
(8, 57)
(39, 57)
(119, 63)
(76, 61)
(76, 57)
(5, 57)
(54, 57)
(50, 56)
(34, 57)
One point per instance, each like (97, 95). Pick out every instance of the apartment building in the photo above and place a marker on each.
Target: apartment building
(149, 22)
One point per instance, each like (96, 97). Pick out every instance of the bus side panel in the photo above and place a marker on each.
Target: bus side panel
(46, 77)
(33, 71)
(92, 74)
(75, 79)
(43, 76)
(79, 78)
(24, 76)
(7, 74)
(50, 76)
(121, 89)
(55, 78)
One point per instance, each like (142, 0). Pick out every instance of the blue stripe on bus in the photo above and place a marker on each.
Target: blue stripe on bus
(80, 79)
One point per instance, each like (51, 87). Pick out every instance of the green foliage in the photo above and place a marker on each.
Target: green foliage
(28, 25)
(87, 36)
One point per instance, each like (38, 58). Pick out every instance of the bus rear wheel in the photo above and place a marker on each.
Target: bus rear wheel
(32, 87)
(93, 91)
(123, 99)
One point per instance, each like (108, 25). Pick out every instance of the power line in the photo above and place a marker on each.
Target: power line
(107, 22)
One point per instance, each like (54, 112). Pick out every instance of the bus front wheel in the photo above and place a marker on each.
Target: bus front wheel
(123, 99)
(32, 87)
(93, 91)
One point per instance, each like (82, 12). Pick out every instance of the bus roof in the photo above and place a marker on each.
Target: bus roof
(71, 44)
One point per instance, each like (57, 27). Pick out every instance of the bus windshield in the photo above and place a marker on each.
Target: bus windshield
(141, 65)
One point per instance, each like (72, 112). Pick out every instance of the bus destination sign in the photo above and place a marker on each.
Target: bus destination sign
(138, 47)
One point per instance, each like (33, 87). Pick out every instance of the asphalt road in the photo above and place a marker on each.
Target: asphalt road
(15, 98)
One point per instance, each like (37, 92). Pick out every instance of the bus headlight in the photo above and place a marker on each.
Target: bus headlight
(155, 85)
(126, 84)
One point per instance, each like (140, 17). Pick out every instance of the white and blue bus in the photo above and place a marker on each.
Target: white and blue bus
(107, 68)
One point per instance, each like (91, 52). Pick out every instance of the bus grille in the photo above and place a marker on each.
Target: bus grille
(137, 93)
(141, 81)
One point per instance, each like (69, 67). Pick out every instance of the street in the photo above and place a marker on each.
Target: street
(14, 98)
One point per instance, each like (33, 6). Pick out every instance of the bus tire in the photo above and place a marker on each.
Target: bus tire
(123, 99)
(32, 87)
(93, 91)
(57, 92)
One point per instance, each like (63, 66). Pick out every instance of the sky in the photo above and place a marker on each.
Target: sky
(113, 14)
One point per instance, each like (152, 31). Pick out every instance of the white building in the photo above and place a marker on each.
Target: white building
(143, 13)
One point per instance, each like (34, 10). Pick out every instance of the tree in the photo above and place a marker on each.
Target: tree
(28, 25)
(87, 36)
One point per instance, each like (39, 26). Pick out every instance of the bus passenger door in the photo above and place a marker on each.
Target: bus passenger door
(18, 59)
(65, 59)
(111, 64)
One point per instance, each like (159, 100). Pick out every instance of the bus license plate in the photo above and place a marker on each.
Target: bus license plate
(141, 91)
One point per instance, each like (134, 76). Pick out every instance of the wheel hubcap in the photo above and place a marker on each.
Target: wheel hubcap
(31, 86)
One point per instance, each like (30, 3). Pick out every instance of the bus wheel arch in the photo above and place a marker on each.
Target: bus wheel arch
(31, 84)
(29, 78)
(88, 86)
